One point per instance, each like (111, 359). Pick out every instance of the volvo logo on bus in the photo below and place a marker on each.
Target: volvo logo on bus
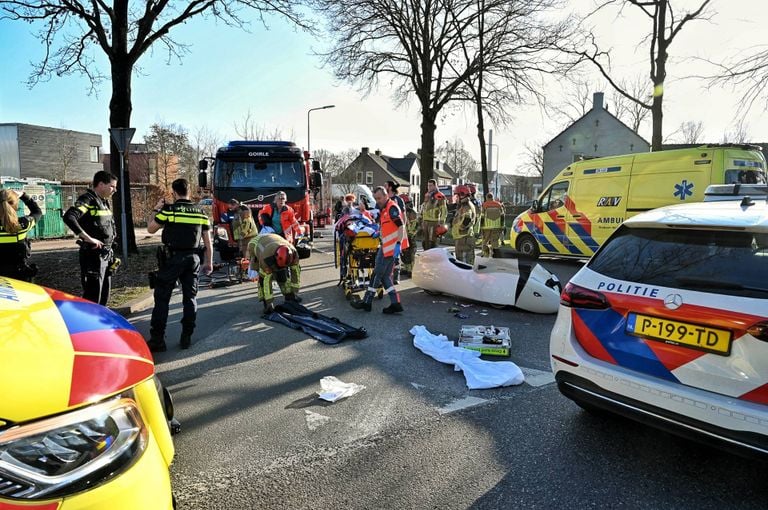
(256, 154)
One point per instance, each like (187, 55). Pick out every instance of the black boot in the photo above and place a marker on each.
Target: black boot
(393, 308)
(157, 343)
(186, 340)
(360, 304)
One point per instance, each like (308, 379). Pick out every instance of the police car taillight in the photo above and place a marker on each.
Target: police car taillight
(580, 297)
(759, 331)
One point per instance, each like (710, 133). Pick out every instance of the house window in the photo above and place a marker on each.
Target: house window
(94, 153)
(369, 177)
(358, 177)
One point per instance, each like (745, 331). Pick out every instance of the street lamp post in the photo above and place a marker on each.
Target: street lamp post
(497, 167)
(312, 110)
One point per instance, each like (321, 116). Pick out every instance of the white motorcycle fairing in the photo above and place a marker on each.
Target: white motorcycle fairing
(498, 281)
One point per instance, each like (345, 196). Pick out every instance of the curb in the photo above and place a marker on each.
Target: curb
(135, 305)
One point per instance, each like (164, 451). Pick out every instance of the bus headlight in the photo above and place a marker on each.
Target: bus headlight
(71, 452)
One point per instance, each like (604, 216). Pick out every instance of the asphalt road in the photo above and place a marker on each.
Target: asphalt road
(255, 435)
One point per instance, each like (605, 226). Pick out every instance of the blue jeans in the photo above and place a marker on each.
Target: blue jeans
(382, 276)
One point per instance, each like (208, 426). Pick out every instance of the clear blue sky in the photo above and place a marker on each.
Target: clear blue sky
(273, 74)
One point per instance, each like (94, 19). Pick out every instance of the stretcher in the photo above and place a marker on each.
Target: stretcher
(355, 256)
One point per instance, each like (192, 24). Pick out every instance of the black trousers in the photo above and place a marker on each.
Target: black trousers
(184, 267)
(96, 280)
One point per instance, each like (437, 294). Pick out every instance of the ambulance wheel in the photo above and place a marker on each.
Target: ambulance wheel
(527, 245)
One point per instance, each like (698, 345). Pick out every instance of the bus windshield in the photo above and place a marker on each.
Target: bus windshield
(259, 174)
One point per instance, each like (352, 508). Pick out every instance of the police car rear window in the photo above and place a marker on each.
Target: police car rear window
(721, 262)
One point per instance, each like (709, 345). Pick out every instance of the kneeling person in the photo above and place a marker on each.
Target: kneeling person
(273, 255)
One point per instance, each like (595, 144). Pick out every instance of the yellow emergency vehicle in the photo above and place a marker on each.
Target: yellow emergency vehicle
(83, 420)
(589, 199)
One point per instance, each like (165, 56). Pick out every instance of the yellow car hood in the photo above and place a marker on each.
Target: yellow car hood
(58, 352)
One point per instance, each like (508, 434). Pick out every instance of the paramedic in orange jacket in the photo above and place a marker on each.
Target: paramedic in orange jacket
(393, 241)
(281, 217)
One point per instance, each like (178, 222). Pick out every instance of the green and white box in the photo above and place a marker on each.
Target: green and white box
(491, 340)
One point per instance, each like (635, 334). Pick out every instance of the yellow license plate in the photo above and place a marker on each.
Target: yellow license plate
(672, 332)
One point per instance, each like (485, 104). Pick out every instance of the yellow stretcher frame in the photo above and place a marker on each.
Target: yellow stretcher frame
(356, 258)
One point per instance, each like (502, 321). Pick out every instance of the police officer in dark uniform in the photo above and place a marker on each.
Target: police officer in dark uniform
(92, 221)
(15, 249)
(183, 224)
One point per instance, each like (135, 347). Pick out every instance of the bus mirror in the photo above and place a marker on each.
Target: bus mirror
(315, 180)
(316, 166)
(202, 165)
(535, 205)
(202, 178)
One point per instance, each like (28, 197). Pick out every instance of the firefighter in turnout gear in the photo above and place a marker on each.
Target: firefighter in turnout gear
(463, 225)
(91, 220)
(393, 241)
(275, 257)
(184, 225)
(411, 229)
(15, 249)
(491, 224)
(434, 212)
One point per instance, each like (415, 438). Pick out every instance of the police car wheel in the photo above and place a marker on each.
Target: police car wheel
(527, 245)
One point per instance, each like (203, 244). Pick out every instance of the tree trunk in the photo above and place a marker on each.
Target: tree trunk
(659, 75)
(427, 163)
(657, 115)
(483, 153)
(120, 117)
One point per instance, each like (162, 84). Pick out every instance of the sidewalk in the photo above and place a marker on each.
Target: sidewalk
(42, 245)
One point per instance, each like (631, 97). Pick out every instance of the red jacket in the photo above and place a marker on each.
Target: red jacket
(291, 228)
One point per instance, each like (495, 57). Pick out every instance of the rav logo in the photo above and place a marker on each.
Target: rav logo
(608, 201)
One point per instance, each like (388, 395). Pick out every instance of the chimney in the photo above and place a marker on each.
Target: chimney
(378, 152)
(597, 101)
(364, 150)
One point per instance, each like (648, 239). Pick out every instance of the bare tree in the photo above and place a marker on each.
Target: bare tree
(632, 113)
(576, 102)
(691, 131)
(457, 157)
(666, 24)
(334, 163)
(249, 129)
(66, 149)
(533, 159)
(169, 143)
(508, 43)
(739, 133)
(408, 43)
(124, 31)
(747, 74)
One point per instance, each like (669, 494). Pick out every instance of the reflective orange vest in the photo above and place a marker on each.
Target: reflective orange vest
(389, 235)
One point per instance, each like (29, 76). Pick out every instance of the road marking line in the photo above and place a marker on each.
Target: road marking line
(537, 378)
(417, 385)
(462, 403)
(314, 420)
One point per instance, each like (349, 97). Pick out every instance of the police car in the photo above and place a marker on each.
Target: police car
(668, 324)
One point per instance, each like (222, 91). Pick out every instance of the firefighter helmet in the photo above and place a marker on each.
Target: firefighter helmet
(283, 257)
(462, 190)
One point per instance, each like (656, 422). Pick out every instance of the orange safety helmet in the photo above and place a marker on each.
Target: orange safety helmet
(462, 190)
(283, 257)
(441, 230)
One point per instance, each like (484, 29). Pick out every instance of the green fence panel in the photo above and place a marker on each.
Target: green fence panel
(51, 224)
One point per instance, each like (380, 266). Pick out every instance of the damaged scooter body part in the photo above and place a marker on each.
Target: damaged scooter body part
(522, 283)
(479, 374)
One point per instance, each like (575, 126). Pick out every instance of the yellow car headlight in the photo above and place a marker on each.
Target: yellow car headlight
(70, 452)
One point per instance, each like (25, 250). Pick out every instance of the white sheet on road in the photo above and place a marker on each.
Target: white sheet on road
(480, 374)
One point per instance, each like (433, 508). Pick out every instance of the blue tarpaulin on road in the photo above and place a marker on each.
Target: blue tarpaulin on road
(328, 330)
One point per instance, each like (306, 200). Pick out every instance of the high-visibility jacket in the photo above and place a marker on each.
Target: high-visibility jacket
(92, 214)
(14, 246)
(434, 207)
(464, 220)
(492, 216)
(291, 227)
(389, 227)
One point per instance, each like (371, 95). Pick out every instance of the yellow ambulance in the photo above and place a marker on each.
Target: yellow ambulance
(589, 199)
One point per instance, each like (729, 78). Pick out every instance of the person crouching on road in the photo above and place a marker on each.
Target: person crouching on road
(275, 256)
(91, 220)
(462, 226)
(15, 249)
(393, 241)
(183, 224)
(281, 217)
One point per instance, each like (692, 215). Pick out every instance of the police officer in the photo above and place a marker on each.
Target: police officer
(274, 256)
(491, 224)
(462, 226)
(15, 249)
(92, 221)
(183, 224)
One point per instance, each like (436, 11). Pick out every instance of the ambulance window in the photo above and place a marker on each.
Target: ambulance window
(744, 177)
(554, 197)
